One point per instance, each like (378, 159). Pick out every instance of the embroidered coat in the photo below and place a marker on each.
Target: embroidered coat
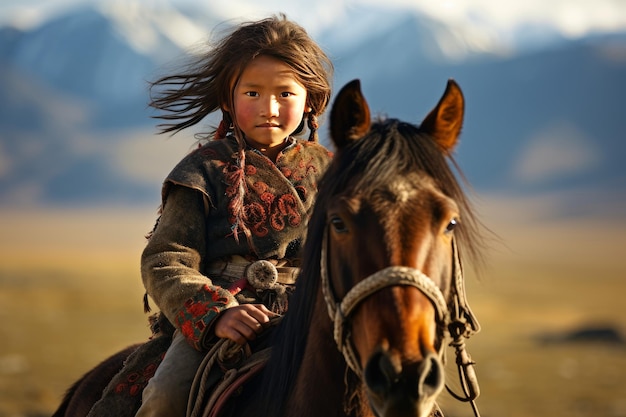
(196, 225)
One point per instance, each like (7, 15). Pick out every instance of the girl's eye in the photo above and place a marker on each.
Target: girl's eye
(252, 94)
(286, 94)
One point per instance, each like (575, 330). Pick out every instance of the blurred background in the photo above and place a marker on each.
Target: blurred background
(543, 150)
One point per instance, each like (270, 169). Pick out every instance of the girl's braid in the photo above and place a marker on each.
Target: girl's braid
(236, 206)
(226, 125)
(313, 126)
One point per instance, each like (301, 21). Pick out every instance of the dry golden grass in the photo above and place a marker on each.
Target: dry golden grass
(70, 295)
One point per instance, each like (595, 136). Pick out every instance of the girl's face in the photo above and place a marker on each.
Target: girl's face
(269, 102)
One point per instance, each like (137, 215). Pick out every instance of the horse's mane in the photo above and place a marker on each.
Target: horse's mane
(392, 148)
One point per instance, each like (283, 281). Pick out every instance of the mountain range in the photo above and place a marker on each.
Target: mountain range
(75, 128)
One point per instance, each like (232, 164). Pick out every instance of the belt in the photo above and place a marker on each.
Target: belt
(260, 274)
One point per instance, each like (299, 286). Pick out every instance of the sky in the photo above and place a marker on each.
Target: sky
(571, 18)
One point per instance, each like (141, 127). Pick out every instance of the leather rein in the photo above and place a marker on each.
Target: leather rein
(455, 320)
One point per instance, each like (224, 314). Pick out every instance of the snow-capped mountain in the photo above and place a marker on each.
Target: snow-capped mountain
(104, 53)
(74, 127)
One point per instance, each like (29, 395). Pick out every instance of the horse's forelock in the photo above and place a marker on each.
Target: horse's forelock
(394, 149)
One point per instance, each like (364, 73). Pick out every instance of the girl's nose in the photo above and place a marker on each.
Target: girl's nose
(270, 107)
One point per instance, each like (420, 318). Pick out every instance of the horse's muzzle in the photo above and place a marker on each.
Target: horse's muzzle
(403, 390)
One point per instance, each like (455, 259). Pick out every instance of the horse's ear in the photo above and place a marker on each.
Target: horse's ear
(350, 115)
(444, 122)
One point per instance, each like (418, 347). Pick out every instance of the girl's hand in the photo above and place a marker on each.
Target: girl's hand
(242, 323)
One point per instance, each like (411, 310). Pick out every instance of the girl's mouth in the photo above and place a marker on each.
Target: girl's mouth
(268, 125)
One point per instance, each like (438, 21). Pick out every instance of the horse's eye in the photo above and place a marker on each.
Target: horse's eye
(452, 225)
(338, 224)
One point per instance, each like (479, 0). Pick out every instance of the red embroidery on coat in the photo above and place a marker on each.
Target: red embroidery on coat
(302, 192)
(277, 211)
(134, 390)
(149, 371)
(187, 329)
(286, 211)
(305, 169)
(136, 381)
(198, 309)
(198, 312)
(286, 171)
(270, 211)
(257, 219)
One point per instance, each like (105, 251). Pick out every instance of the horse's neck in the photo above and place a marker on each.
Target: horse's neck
(320, 388)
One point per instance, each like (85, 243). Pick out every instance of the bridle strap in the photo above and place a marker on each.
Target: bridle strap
(462, 325)
(390, 276)
(460, 311)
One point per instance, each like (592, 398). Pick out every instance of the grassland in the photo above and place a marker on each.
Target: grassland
(70, 295)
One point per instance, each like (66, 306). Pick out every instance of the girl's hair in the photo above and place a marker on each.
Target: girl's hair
(207, 86)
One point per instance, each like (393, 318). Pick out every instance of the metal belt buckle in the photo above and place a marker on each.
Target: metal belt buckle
(262, 274)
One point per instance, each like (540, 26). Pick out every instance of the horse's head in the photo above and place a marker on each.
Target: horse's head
(389, 262)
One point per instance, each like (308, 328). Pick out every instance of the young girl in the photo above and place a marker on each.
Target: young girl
(223, 254)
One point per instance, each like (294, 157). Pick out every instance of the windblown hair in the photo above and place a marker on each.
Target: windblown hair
(207, 86)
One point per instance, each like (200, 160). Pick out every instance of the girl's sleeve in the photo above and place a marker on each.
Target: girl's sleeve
(171, 265)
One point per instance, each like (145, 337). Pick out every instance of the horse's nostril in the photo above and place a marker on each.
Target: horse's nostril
(380, 374)
(387, 379)
(431, 376)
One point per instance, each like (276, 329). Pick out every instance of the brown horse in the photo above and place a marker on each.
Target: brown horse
(381, 291)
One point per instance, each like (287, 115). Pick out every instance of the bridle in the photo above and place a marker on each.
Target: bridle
(454, 317)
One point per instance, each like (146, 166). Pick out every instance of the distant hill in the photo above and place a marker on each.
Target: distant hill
(537, 121)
